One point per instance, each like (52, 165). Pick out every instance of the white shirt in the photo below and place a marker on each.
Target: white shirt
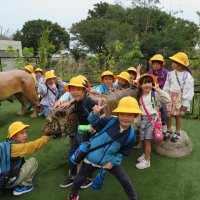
(186, 82)
(148, 104)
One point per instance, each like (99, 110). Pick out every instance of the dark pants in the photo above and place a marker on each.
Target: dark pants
(118, 172)
(72, 166)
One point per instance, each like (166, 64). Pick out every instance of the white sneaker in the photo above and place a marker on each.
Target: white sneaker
(141, 158)
(143, 164)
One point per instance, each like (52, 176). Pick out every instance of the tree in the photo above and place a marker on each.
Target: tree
(46, 48)
(33, 30)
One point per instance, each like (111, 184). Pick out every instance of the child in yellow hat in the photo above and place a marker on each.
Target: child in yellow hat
(107, 80)
(39, 76)
(120, 134)
(23, 171)
(180, 87)
(30, 69)
(50, 90)
(123, 80)
(83, 106)
(150, 102)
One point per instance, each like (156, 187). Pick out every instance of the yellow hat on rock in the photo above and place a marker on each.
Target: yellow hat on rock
(49, 74)
(29, 68)
(15, 127)
(124, 75)
(181, 58)
(155, 80)
(128, 105)
(77, 82)
(157, 57)
(107, 73)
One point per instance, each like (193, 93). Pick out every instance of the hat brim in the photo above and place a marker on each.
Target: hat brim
(118, 76)
(114, 78)
(66, 88)
(127, 110)
(163, 62)
(155, 80)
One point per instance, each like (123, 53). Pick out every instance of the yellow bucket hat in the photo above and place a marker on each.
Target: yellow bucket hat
(38, 70)
(107, 73)
(132, 69)
(29, 68)
(85, 79)
(155, 80)
(124, 75)
(157, 57)
(181, 58)
(128, 105)
(77, 82)
(49, 74)
(15, 127)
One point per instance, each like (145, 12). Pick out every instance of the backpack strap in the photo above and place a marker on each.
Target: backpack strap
(153, 99)
(130, 137)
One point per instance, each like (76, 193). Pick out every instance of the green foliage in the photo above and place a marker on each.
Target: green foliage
(32, 31)
(46, 48)
(10, 51)
(158, 31)
(131, 58)
(28, 52)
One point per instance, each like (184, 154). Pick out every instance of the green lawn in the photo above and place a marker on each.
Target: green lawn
(166, 179)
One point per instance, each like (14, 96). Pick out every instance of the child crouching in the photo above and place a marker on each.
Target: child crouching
(118, 133)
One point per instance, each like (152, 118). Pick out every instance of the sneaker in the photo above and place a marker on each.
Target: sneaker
(167, 135)
(73, 197)
(22, 189)
(143, 164)
(86, 183)
(175, 137)
(67, 182)
(141, 158)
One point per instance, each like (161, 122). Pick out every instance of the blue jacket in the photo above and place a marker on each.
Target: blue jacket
(102, 89)
(113, 152)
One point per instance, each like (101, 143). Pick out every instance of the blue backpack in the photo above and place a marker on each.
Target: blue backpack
(4, 164)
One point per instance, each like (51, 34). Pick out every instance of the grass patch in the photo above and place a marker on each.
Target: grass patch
(167, 178)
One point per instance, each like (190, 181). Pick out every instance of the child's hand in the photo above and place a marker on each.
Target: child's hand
(183, 108)
(108, 166)
(139, 67)
(97, 108)
(157, 88)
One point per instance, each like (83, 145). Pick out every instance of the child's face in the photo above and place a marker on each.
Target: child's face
(146, 87)
(77, 93)
(108, 81)
(156, 66)
(38, 73)
(126, 119)
(21, 136)
(177, 66)
(51, 81)
(132, 76)
(122, 83)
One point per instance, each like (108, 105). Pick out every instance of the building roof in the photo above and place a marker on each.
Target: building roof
(3, 37)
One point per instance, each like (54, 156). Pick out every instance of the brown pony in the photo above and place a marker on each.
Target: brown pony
(64, 122)
(22, 85)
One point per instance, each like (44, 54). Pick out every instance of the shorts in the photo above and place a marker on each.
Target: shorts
(175, 104)
(146, 128)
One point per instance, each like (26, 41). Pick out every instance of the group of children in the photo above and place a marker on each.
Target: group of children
(158, 90)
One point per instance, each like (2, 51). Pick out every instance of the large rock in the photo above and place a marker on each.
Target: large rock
(181, 148)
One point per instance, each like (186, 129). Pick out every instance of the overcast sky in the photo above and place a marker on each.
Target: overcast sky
(13, 14)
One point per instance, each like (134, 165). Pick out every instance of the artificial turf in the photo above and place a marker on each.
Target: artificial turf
(166, 179)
